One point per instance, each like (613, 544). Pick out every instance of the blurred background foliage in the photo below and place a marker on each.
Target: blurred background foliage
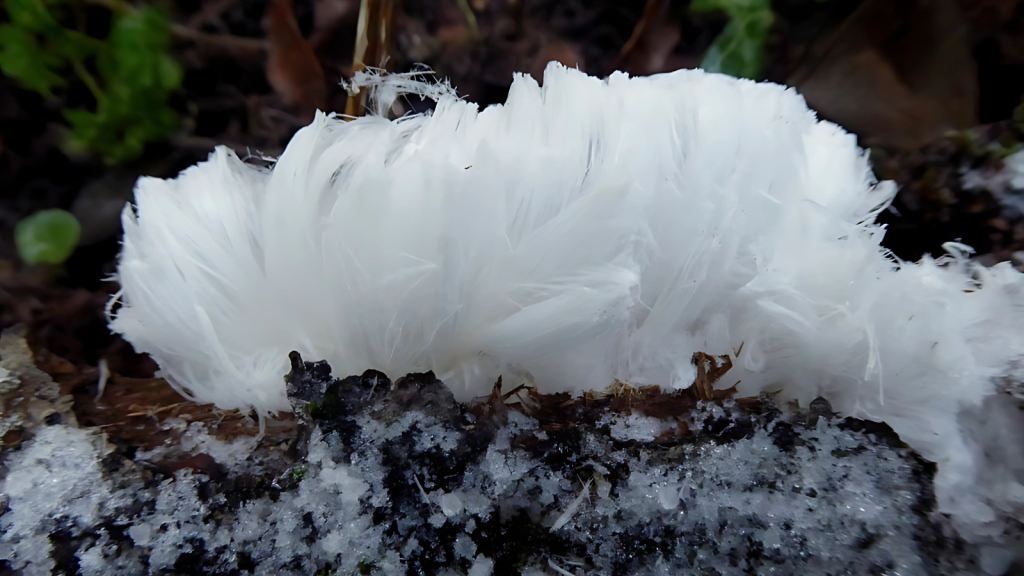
(739, 48)
(96, 93)
(129, 73)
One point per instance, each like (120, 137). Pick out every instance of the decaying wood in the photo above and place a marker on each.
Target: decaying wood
(709, 372)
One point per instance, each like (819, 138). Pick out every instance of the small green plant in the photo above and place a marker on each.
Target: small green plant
(48, 236)
(129, 73)
(739, 49)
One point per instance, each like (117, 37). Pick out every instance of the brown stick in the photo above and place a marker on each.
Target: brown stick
(373, 40)
(650, 15)
(222, 40)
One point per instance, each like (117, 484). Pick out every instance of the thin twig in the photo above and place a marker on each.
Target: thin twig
(157, 411)
(209, 12)
(373, 39)
(87, 79)
(467, 13)
(186, 33)
(223, 40)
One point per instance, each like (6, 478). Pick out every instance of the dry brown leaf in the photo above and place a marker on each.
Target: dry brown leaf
(565, 53)
(292, 67)
(987, 16)
(649, 47)
(898, 73)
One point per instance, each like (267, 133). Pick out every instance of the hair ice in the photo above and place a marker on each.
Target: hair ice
(583, 232)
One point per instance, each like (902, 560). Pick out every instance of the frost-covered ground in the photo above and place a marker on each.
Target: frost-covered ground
(1006, 183)
(398, 478)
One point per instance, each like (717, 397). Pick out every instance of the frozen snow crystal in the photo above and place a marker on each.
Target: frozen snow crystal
(55, 484)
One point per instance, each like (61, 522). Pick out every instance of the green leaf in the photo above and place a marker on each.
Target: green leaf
(739, 49)
(48, 236)
(31, 15)
(70, 44)
(23, 59)
(168, 72)
(137, 53)
(730, 7)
